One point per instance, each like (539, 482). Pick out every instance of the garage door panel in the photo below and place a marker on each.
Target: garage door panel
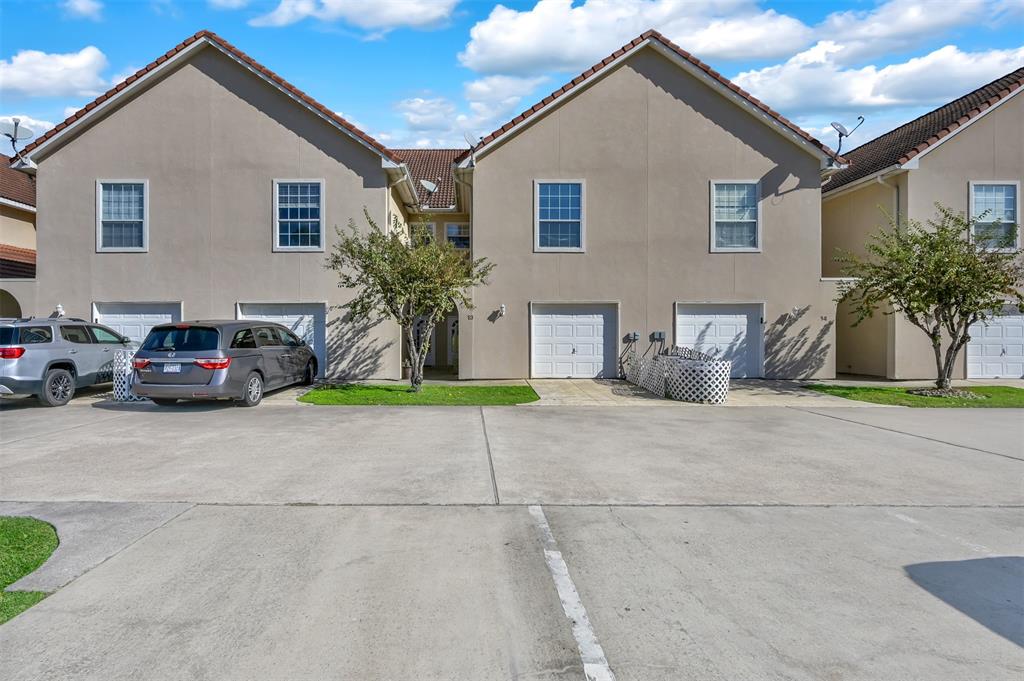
(584, 345)
(134, 320)
(995, 349)
(730, 331)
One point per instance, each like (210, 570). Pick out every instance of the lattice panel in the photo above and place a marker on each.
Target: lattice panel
(696, 380)
(124, 377)
(652, 377)
(634, 367)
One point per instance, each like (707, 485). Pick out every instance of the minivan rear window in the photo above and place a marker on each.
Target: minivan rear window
(7, 334)
(174, 339)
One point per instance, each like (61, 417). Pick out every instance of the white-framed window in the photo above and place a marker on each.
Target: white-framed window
(994, 207)
(298, 215)
(735, 216)
(458, 235)
(122, 216)
(559, 223)
(429, 228)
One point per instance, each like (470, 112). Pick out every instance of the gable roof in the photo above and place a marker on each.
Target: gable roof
(434, 165)
(186, 47)
(16, 186)
(17, 263)
(713, 77)
(899, 146)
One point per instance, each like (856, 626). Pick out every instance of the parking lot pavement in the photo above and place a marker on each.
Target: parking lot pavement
(760, 455)
(308, 593)
(212, 453)
(858, 594)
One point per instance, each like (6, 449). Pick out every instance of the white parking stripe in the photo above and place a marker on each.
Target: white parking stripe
(595, 666)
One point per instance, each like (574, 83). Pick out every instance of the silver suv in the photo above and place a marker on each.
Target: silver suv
(51, 358)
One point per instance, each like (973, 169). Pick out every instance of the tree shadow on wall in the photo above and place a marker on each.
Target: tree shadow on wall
(354, 349)
(792, 350)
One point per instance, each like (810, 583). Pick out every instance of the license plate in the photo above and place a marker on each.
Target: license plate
(172, 368)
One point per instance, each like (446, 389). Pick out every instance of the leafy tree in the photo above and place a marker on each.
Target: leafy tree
(942, 276)
(406, 275)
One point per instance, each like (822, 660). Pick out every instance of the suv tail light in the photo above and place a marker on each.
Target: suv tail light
(11, 353)
(213, 363)
(140, 363)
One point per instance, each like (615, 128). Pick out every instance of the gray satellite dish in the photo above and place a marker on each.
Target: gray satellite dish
(429, 186)
(15, 132)
(840, 128)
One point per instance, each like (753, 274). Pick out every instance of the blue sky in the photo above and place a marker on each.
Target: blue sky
(427, 73)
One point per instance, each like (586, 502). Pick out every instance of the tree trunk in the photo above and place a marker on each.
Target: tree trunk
(418, 353)
(942, 378)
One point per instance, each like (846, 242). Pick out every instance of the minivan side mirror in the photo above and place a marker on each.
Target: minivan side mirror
(125, 340)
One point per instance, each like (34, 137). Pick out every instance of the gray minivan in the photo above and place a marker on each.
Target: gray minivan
(235, 359)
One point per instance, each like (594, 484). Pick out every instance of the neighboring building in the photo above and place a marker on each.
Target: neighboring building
(17, 233)
(648, 195)
(967, 155)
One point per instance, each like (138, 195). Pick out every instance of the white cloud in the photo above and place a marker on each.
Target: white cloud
(84, 9)
(31, 73)
(493, 99)
(815, 79)
(427, 114)
(70, 111)
(227, 4)
(37, 126)
(380, 15)
(556, 36)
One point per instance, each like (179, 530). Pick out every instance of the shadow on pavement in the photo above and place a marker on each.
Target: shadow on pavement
(988, 590)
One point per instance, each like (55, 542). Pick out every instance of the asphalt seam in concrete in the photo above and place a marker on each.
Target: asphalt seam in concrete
(595, 664)
(490, 459)
(902, 432)
(61, 430)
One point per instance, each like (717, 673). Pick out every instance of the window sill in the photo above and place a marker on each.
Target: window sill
(298, 249)
(144, 249)
(736, 250)
(539, 249)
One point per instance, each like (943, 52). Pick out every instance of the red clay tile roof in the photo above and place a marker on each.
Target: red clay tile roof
(654, 35)
(17, 263)
(246, 59)
(16, 185)
(899, 146)
(434, 165)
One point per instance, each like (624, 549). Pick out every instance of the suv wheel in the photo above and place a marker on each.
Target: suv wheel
(58, 388)
(252, 392)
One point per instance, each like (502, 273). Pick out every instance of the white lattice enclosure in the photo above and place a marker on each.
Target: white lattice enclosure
(652, 376)
(124, 377)
(633, 367)
(697, 380)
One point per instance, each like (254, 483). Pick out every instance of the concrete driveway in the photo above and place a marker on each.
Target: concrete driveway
(300, 542)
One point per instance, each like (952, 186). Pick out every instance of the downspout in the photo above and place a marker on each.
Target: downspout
(472, 243)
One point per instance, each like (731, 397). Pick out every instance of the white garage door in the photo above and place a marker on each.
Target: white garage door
(308, 321)
(573, 340)
(997, 350)
(726, 330)
(136, 319)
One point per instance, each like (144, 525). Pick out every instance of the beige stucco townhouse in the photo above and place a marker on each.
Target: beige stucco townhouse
(17, 234)
(967, 155)
(648, 202)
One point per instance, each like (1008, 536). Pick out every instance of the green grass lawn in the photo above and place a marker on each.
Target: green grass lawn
(25, 544)
(443, 395)
(997, 396)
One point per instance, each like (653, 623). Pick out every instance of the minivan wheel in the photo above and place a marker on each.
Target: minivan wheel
(58, 388)
(252, 393)
(164, 401)
(309, 375)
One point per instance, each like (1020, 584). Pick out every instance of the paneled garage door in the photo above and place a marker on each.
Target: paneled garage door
(308, 321)
(997, 350)
(574, 340)
(136, 319)
(726, 330)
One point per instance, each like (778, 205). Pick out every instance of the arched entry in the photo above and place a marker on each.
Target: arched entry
(9, 305)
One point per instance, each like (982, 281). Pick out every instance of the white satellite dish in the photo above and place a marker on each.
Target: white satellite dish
(429, 186)
(15, 132)
(840, 128)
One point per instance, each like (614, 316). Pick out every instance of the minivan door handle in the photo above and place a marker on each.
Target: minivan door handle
(72, 352)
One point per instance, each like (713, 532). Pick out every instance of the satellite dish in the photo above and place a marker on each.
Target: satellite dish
(840, 128)
(429, 186)
(470, 141)
(14, 132)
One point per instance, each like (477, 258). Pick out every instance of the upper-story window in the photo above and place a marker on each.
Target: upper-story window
(298, 215)
(735, 216)
(122, 216)
(457, 235)
(559, 223)
(426, 230)
(994, 209)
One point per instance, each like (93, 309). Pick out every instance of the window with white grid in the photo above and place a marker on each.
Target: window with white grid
(735, 216)
(298, 210)
(457, 235)
(121, 223)
(994, 209)
(559, 220)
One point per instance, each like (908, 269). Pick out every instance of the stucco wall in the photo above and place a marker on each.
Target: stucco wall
(17, 227)
(647, 139)
(862, 349)
(210, 138)
(849, 220)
